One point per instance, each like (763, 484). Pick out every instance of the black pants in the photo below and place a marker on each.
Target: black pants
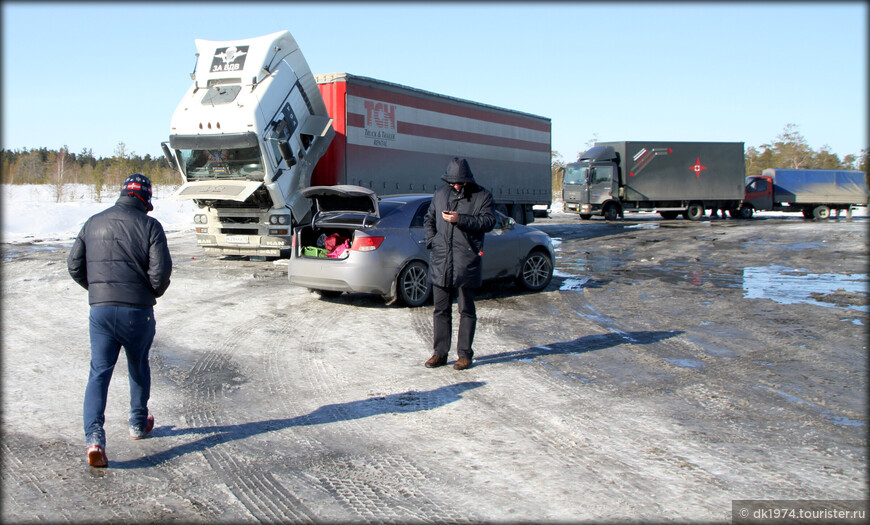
(442, 319)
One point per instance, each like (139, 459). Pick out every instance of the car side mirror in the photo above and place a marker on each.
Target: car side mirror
(509, 223)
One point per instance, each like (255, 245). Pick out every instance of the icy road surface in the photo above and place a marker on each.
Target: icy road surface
(670, 368)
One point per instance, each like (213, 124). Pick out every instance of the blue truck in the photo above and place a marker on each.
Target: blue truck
(815, 193)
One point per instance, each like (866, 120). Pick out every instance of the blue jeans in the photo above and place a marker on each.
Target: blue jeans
(112, 327)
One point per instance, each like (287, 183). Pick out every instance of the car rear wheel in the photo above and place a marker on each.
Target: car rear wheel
(413, 284)
(536, 271)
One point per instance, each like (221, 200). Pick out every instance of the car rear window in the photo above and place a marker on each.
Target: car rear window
(387, 207)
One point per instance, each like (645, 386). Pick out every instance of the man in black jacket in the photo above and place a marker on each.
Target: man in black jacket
(122, 259)
(458, 217)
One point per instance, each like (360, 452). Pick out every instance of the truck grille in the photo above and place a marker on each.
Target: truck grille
(239, 231)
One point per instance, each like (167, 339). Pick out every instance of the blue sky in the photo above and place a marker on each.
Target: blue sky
(91, 75)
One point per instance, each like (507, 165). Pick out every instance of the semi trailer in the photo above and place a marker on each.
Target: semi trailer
(257, 126)
(671, 178)
(815, 193)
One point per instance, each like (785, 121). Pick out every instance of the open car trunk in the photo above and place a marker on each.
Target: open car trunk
(339, 211)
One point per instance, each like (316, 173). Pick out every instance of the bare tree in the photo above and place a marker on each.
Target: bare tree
(60, 162)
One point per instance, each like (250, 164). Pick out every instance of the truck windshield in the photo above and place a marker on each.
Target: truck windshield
(576, 174)
(237, 163)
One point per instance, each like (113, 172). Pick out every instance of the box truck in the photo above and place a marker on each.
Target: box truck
(671, 178)
(257, 126)
(815, 193)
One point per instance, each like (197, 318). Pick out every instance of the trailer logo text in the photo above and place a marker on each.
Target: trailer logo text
(380, 123)
(229, 59)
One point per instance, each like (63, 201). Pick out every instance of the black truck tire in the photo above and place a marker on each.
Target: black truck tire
(821, 212)
(611, 212)
(669, 215)
(746, 212)
(695, 212)
(585, 216)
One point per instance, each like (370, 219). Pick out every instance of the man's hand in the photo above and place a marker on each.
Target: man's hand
(450, 216)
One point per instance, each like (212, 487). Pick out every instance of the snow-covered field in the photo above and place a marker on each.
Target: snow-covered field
(31, 211)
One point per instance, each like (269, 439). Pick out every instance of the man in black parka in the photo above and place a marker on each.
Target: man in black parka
(460, 214)
(122, 259)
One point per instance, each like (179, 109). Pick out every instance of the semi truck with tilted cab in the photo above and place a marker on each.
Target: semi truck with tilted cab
(815, 193)
(257, 126)
(671, 178)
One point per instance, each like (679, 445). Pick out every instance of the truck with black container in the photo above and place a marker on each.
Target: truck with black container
(671, 178)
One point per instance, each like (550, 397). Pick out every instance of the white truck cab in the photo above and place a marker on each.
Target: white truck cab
(246, 137)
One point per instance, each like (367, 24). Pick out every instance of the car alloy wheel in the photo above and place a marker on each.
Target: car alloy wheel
(413, 284)
(536, 272)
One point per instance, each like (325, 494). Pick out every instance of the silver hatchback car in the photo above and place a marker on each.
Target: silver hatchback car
(359, 243)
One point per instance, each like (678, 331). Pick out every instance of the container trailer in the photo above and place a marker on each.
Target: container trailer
(671, 178)
(815, 193)
(257, 126)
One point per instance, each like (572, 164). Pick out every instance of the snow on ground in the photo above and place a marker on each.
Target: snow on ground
(31, 211)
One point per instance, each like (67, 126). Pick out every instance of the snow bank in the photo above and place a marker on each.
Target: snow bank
(31, 213)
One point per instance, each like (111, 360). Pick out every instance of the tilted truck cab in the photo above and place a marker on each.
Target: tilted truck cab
(256, 127)
(246, 137)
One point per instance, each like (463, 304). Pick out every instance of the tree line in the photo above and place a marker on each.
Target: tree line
(788, 150)
(61, 167)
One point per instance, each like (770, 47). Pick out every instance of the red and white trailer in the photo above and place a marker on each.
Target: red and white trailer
(396, 139)
(253, 130)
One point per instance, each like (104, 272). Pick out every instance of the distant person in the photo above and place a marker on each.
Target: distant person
(460, 214)
(122, 259)
(714, 213)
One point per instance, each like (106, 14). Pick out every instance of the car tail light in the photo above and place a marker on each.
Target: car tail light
(366, 244)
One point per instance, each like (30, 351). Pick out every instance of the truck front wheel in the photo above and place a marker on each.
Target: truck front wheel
(821, 212)
(694, 212)
(610, 212)
(745, 212)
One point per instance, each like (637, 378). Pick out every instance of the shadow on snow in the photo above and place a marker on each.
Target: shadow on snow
(405, 402)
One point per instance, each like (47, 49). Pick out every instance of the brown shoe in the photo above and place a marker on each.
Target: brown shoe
(97, 456)
(435, 361)
(462, 363)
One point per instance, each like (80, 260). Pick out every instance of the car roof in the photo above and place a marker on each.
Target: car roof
(407, 197)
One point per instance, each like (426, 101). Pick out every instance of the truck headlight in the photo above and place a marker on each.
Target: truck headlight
(279, 219)
(200, 219)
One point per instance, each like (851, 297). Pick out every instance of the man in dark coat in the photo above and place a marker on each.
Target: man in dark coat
(460, 214)
(122, 259)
